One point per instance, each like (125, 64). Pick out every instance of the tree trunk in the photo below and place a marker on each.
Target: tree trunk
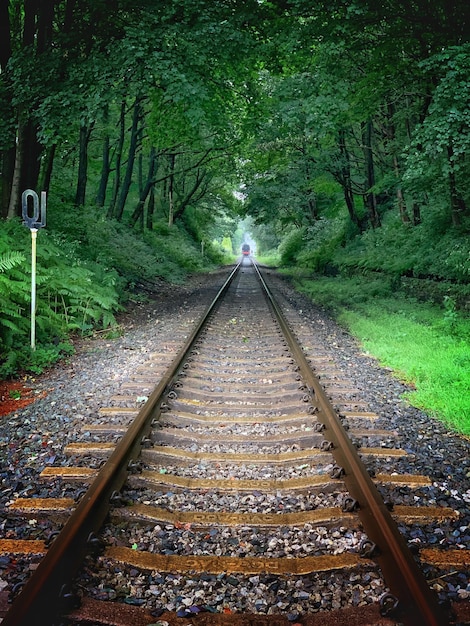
(345, 178)
(37, 33)
(7, 154)
(405, 218)
(151, 208)
(14, 208)
(30, 163)
(68, 15)
(369, 196)
(311, 200)
(120, 146)
(46, 170)
(44, 25)
(312, 205)
(141, 173)
(171, 182)
(105, 165)
(201, 176)
(29, 28)
(126, 183)
(105, 172)
(85, 133)
(149, 183)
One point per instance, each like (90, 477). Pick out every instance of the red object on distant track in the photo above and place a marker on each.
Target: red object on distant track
(246, 249)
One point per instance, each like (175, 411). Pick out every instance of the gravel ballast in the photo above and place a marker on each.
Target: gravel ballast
(72, 393)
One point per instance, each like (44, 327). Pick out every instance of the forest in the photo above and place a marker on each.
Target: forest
(335, 133)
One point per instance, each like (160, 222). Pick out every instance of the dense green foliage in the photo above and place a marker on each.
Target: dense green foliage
(339, 131)
(86, 271)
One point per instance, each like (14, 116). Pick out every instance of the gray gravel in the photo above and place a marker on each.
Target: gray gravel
(34, 437)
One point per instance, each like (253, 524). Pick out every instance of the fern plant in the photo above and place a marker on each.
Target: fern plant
(12, 291)
(71, 296)
(8, 260)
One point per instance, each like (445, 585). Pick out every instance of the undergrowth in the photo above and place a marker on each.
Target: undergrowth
(88, 268)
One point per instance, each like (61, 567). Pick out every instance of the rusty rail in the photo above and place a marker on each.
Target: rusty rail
(415, 602)
(47, 592)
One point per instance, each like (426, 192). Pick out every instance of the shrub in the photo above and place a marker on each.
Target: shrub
(291, 246)
(429, 249)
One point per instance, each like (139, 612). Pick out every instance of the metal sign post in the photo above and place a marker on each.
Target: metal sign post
(30, 197)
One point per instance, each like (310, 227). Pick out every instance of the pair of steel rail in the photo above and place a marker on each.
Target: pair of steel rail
(47, 594)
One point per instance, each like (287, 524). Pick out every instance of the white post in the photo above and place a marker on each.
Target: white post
(34, 233)
(33, 223)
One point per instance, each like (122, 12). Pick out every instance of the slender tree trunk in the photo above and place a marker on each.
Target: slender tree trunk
(30, 14)
(149, 184)
(80, 195)
(312, 211)
(346, 178)
(7, 154)
(37, 33)
(14, 208)
(105, 165)
(46, 170)
(150, 208)
(405, 218)
(119, 149)
(44, 25)
(30, 163)
(370, 197)
(126, 183)
(5, 40)
(201, 177)
(105, 172)
(21, 161)
(312, 206)
(140, 161)
(171, 182)
(141, 189)
(68, 15)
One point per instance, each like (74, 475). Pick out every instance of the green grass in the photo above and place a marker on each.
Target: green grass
(426, 345)
(269, 260)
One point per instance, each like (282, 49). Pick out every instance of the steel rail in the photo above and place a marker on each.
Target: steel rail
(47, 592)
(417, 603)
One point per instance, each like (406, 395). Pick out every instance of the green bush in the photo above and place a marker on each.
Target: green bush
(291, 246)
(429, 249)
(35, 361)
(322, 239)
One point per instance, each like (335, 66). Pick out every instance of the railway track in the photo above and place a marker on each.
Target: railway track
(239, 470)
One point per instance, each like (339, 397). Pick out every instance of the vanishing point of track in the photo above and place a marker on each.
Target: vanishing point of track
(205, 385)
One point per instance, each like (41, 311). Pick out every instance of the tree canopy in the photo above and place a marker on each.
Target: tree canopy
(332, 118)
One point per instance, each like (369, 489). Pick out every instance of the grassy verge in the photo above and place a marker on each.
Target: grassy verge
(427, 345)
